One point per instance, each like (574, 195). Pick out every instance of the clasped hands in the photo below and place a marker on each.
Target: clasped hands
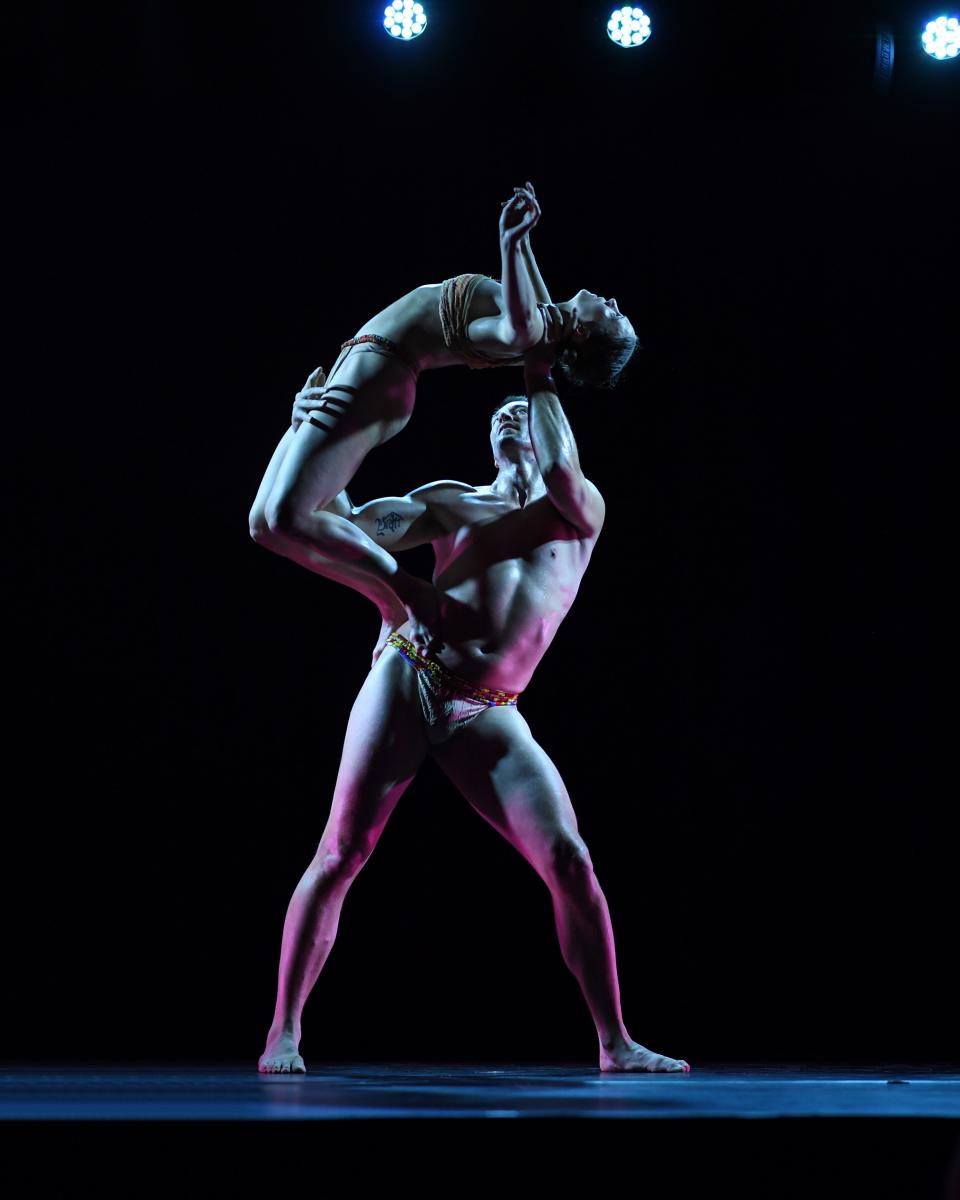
(518, 216)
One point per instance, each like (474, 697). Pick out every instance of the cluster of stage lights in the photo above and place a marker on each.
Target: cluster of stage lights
(404, 20)
(941, 38)
(628, 27)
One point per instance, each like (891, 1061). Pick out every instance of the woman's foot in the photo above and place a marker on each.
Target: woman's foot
(631, 1056)
(281, 1056)
(422, 604)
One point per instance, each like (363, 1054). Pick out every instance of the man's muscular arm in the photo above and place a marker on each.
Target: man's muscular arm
(554, 447)
(402, 522)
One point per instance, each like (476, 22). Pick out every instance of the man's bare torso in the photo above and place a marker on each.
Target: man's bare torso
(507, 577)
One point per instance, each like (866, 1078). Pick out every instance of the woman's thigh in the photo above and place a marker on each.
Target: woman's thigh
(318, 465)
(384, 745)
(374, 405)
(511, 781)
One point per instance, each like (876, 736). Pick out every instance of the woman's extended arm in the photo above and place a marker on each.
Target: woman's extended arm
(536, 279)
(519, 294)
(543, 296)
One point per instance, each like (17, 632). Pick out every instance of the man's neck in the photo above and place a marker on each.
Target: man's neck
(519, 483)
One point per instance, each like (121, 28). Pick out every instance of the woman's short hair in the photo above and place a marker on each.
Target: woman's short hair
(600, 361)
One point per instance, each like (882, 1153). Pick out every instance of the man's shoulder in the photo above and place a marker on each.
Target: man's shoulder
(448, 502)
(441, 486)
(587, 512)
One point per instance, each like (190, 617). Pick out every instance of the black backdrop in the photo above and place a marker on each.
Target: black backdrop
(749, 698)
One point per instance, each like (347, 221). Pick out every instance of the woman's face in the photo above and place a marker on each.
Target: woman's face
(595, 311)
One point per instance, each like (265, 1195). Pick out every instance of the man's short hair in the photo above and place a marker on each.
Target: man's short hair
(504, 403)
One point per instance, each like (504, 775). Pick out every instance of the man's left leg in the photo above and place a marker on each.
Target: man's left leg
(511, 781)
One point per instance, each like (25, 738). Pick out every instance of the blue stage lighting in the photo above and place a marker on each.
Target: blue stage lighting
(628, 26)
(941, 38)
(404, 20)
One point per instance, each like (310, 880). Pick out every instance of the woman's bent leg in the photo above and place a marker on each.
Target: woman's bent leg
(315, 469)
(392, 612)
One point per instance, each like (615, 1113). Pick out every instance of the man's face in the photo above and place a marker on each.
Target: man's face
(509, 429)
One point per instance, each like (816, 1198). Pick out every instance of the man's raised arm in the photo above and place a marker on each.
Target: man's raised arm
(573, 495)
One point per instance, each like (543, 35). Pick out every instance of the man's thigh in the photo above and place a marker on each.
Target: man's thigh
(384, 745)
(511, 781)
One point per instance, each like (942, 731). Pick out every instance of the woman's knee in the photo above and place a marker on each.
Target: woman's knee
(299, 492)
(280, 512)
(284, 512)
(257, 520)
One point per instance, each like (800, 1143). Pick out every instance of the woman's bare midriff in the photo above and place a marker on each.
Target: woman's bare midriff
(387, 390)
(414, 322)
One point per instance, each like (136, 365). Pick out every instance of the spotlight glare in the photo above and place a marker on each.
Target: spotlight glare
(404, 20)
(941, 38)
(628, 26)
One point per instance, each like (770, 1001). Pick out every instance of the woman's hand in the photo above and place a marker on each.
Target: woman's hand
(308, 398)
(518, 216)
(532, 204)
(529, 187)
(558, 326)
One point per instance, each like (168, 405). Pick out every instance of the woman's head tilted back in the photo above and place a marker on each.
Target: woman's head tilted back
(602, 344)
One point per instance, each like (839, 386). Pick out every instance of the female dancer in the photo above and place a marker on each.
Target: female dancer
(469, 319)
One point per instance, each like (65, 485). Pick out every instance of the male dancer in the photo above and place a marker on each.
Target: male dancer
(509, 560)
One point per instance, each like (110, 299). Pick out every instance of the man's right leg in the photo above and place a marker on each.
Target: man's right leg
(384, 746)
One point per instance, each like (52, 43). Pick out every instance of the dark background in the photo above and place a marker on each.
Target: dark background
(749, 700)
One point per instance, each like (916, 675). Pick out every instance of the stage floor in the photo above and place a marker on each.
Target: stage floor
(412, 1090)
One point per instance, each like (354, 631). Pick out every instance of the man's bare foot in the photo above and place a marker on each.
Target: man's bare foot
(634, 1057)
(281, 1055)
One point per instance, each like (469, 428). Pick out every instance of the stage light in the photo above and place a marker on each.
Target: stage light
(628, 27)
(404, 20)
(941, 38)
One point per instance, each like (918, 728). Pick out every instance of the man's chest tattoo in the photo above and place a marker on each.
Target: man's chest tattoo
(388, 524)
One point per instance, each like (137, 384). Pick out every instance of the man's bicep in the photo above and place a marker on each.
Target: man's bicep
(396, 522)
